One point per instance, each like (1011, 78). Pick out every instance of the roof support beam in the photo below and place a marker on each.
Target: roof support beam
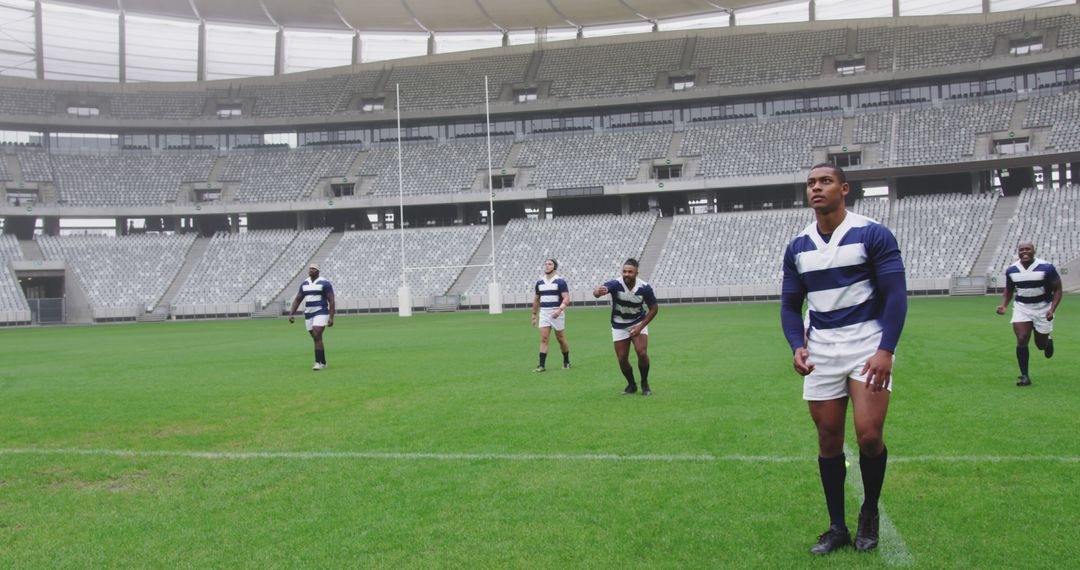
(357, 48)
(279, 51)
(200, 68)
(39, 42)
(122, 52)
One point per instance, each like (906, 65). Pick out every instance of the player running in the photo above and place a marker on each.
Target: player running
(1037, 287)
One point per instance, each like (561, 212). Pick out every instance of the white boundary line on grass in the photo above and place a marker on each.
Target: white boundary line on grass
(893, 550)
(661, 458)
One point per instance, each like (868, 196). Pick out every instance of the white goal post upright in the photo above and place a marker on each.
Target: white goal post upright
(494, 294)
(404, 292)
(404, 295)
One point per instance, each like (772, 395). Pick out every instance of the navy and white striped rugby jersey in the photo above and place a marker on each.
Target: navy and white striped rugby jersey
(1033, 285)
(628, 306)
(550, 292)
(315, 296)
(837, 277)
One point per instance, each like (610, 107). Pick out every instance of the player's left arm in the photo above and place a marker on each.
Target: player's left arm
(891, 285)
(563, 305)
(654, 308)
(1055, 286)
(333, 307)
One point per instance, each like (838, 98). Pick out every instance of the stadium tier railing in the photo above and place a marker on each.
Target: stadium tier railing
(13, 317)
(212, 310)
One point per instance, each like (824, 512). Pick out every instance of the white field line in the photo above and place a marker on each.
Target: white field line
(661, 458)
(893, 550)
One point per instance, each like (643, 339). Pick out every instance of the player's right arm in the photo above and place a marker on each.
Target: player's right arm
(1006, 296)
(536, 308)
(602, 290)
(295, 305)
(792, 296)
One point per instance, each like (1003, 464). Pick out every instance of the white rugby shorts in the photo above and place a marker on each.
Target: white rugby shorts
(317, 321)
(1034, 314)
(623, 334)
(834, 363)
(546, 320)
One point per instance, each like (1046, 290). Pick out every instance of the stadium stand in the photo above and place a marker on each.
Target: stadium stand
(157, 105)
(947, 134)
(232, 264)
(1050, 219)
(590, 249)
(430, 168)
(921, 47)
(283, 175)
(121, 271)
(590, 160)
(753, 59)
(286, 266)
(684, 262)
(752, 148)
(110, 180)
(608, 70)
(34, 164)
(940, 234)
(11, 295)
(1061, 112)
(366, 265)
(456, 84)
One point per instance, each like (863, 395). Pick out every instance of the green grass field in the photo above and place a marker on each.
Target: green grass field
(430, 443)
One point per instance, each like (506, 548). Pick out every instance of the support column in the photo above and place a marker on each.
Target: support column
(812, 9)
(581, 32)
(731, 18)
(624, 205)
(50, 226)
(431, 47)
(121, 226)
(200, 70)
(39, 41)
(1048, 176)
(505, 39)
(1076, 165)
(357, 48)
(123, 47)
(893, 189)
(985, 6)
(279, 51)
(1063, 174)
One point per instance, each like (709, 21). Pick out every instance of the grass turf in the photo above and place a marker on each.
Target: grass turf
(461, 384)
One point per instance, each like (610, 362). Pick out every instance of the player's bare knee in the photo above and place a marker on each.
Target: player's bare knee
(870, 442)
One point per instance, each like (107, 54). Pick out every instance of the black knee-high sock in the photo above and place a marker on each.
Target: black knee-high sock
(833, 472)
(566, 357)
(644, 369)
(873, 476)
(543, 359)
(628, 373)
(1022, 355)
(320, 356)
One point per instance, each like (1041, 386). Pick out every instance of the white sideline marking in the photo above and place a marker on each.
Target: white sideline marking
(703, 458)
(893, 550)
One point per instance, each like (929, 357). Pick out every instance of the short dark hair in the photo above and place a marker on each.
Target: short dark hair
(839, 171)
(553, 262)
(632, 262)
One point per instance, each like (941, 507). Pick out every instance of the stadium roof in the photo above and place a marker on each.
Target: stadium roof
(424, 15)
